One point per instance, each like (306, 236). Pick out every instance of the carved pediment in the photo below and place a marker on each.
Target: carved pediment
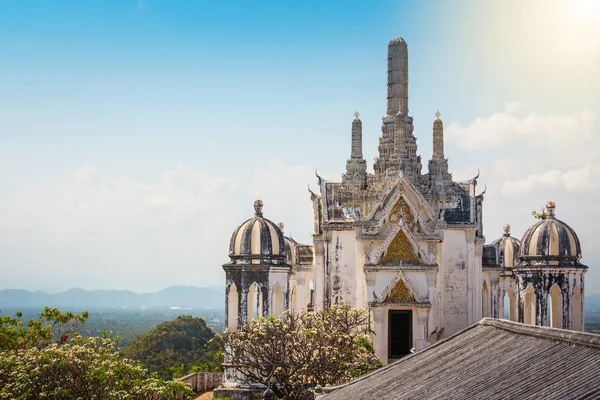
(400, 251)
(400, 293)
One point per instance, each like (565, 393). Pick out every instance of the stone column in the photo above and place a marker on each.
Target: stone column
(379, 342)
(496, 296)
(423, 331)
(319, 272)
(478, 279)
(471, 282)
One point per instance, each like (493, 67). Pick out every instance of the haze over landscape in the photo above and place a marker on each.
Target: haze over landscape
(135, 135)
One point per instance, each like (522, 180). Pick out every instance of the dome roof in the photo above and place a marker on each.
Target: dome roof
(508, 248)
(550, 241)
(257, 241)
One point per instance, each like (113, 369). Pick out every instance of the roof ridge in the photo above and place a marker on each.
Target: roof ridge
(545, 332)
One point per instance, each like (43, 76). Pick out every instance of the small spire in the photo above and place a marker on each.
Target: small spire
(550, 207)
(438, 114)
(356, 114)
(258, 205)
(507, 230)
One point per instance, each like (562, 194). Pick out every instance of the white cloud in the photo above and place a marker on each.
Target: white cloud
(577, 180)
(92, 229)
(514, 127)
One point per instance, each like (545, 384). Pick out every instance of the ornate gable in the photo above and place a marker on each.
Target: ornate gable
(400, 293)
(400, 251)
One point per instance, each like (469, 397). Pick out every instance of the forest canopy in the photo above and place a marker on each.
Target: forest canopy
(176, 347)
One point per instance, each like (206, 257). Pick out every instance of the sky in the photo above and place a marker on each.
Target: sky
(135, 135)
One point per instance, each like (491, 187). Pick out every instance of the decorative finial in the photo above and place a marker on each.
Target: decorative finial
(550, 207)
(280, 226)
(356, 114)
(507, 230)
(438, 114)
(258, 205)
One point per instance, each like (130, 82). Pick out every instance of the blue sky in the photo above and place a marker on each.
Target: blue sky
(134, 135)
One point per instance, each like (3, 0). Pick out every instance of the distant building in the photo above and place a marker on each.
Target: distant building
(407, 246)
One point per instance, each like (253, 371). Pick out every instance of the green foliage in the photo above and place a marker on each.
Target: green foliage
(176, 346)
(540, 216)
(47, 358)
(50, 325)
(298, 351)
(81, 369)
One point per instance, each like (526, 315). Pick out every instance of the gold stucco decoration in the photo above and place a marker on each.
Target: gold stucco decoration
(400, 294)
(402, 212)
(400, 251)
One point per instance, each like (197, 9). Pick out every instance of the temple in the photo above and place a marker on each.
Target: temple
(406, 245)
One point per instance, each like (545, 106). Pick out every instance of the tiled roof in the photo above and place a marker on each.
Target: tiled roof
(492, 359)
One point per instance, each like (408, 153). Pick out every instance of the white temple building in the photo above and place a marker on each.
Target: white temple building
(406, 245)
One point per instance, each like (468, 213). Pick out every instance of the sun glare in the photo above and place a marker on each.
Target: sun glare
(585, 10)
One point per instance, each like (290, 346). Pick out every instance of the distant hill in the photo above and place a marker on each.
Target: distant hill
(592, 303)
(176, 296)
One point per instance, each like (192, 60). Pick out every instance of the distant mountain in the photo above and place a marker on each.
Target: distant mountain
(592, 303)
(175, 296)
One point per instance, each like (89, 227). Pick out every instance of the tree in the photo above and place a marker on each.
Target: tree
(47, 358)
(51, 325)
(174, 347)
(299, 351)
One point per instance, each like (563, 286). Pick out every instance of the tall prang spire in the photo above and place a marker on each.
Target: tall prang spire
(438, 165)
(356, 137)
(356, 166)
(397, 81)
(397, 144)
(438, 137)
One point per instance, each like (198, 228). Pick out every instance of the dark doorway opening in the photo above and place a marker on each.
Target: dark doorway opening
(400, 333)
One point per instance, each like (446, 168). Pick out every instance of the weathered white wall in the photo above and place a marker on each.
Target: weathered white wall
(342, 268)
(456, 297)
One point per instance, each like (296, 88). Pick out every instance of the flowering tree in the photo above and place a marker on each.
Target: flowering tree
(47, 358)
(298, 351)
(81, 369)
(50, 326)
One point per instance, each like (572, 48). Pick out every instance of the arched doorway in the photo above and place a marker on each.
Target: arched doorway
(232, 308)
(277, 300)
(509, 306)
(485, 301)
(529, 306)
(255, 300)
(577, 322)
(555, 307)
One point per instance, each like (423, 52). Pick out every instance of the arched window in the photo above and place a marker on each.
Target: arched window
(277, 300)
(232, 308)
(255, 300)
(485, 301)
(555, 307)
(577, 323)
(311, 295)
(529, 306)
(509, 306)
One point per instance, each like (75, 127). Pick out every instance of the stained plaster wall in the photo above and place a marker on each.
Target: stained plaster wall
(342, 268)
(456, 296)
